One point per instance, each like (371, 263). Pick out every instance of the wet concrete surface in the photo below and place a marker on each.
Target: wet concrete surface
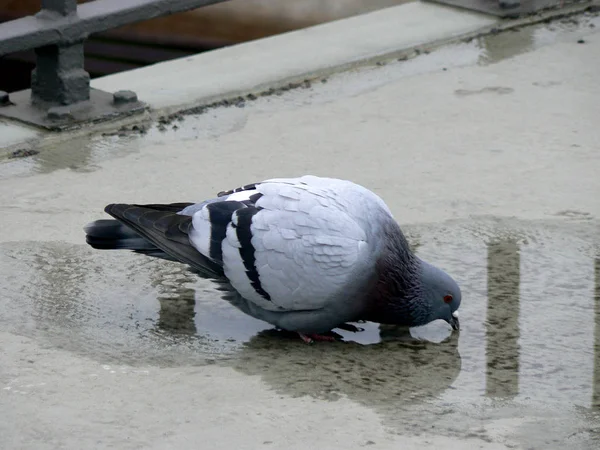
(529, 341)
(104, 349)
(84, 152)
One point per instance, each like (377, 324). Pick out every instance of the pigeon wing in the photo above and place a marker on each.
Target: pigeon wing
(297, 245)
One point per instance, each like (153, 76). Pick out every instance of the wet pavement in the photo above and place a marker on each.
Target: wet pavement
(530, 339)
(105, 349)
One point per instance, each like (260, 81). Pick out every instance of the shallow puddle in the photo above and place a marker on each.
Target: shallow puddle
(527, 357)
(530, 319)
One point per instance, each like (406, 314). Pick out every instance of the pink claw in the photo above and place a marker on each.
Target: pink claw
(311, 338)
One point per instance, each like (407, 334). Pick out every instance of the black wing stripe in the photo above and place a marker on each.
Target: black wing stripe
(247, 187)
(220, 217)
(174, 207)
(252, 200)
(244, 235)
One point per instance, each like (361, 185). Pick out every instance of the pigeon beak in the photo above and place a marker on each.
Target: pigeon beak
(454, 322)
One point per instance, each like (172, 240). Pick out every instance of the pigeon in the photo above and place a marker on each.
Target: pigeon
(306, 255)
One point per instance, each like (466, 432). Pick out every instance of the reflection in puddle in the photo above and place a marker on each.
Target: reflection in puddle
(177, 301)
(529, 337)
(80, 153)
(596, 380)
(502, 324)
(387, 376)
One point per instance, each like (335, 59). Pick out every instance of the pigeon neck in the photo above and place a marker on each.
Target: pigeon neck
(397, 296)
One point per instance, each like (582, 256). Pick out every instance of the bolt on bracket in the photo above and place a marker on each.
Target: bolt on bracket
(100, 106)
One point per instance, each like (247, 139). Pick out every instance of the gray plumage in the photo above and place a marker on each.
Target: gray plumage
(304, 254)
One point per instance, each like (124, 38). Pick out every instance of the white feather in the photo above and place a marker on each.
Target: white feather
(240, 196)
(311, 238)
(200, 231)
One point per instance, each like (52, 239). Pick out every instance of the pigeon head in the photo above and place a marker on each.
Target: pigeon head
(439, 297)
(409, 291)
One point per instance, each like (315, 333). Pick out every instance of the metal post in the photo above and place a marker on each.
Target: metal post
(60, 96)
(62, 7)
(59, 77)
(502, 334)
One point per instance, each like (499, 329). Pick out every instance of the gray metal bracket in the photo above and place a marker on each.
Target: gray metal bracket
(509, 9)
(60, 96)
(100, 106)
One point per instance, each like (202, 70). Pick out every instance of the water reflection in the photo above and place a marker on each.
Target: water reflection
(59, 271)
(74, 154)
(387, 376)
(506, 45)
(80, 153)
(596, 379)
(176, 297)
(502, 324)
(126, 308)
(498, 47)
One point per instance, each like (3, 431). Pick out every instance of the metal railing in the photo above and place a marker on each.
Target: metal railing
(60, 92)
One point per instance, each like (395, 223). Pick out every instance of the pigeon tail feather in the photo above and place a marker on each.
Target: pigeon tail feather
(165, 231)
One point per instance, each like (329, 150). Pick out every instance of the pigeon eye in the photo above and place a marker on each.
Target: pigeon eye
(447, 298)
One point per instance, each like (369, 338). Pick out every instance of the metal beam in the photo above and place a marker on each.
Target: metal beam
(60, 95)
(46, 28)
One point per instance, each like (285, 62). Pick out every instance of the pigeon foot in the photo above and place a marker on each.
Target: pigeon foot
(313, 337)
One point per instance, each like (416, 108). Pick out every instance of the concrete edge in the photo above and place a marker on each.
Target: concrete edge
(464, 25)
(310, 53)
(272, 81)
